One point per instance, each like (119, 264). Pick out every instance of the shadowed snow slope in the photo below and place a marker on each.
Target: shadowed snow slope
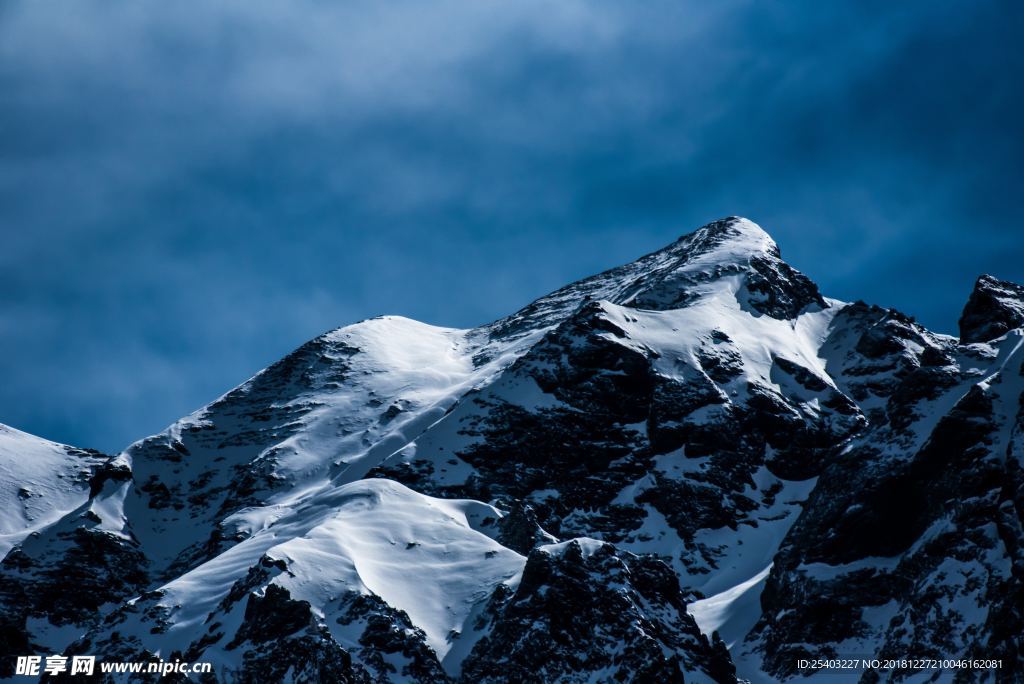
(40, 481)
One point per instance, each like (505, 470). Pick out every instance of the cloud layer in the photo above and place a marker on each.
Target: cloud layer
(189, 190)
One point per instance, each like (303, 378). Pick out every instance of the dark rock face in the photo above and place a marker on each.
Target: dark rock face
(671, 404)
(995, 308)
(58, 597)
(520, 530)
(64, 575)
(579, 365)
(391, 646)
(311, 658)
(576, 614)
(280, 637)
(918, 521)
(271, 616)
(781, 291)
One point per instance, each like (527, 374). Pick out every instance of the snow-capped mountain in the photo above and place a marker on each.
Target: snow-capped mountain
(693, 467)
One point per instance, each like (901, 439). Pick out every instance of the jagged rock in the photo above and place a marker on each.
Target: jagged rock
(520, 530)
(994, 308)
(390, 636)
(585, 612)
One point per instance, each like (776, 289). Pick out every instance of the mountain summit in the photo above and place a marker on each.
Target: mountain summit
(693, 467)
(731, 255)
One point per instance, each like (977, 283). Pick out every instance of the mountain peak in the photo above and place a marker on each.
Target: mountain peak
(734, 249)
(732, 252)
(994, 308)
(728, 238)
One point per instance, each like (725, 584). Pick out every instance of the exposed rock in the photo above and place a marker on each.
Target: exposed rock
(994, 308)
(584, 612)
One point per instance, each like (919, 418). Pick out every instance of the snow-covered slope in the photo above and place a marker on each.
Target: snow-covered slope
(693, 466)
(418, 557)
(332, 408)
(40, 481)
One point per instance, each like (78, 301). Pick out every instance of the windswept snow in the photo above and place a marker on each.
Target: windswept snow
(40, 481)
(420, 554)
(400, 377)
(733, 612)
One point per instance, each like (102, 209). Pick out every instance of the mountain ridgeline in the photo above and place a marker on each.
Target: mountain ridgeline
(694, 467)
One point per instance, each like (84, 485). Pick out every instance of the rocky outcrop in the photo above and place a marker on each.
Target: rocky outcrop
(995, 307)
(583, 611)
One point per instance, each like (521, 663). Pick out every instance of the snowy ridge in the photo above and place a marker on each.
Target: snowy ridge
(40, 481)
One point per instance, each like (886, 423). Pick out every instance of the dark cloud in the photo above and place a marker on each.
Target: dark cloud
(189, 190)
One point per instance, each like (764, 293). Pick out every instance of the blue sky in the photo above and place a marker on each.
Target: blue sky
(190, 190)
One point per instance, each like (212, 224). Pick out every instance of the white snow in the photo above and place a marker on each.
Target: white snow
(733, 612)
(418, 553)
(39, 482)
(419, 369)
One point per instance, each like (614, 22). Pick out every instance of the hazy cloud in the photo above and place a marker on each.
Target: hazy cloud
(189, 190)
